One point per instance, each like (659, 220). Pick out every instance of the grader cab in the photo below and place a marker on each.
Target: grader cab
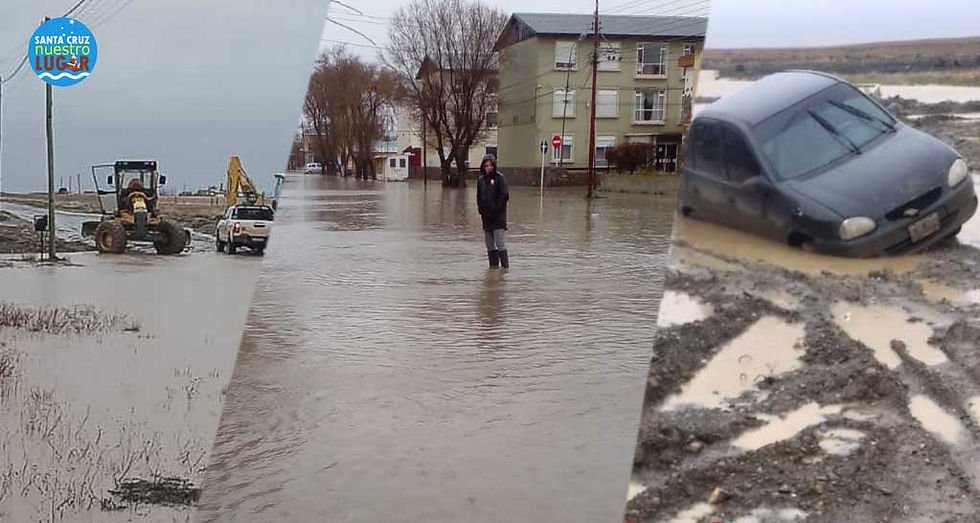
(130, 210)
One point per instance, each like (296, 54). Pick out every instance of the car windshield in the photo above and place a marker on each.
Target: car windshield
(126, 178)
(252, 213)
(836, 123)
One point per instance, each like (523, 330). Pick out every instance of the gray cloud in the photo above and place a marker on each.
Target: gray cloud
(779, 23)
(185, 82)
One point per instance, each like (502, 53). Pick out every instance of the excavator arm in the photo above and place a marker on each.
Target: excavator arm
(240, 186)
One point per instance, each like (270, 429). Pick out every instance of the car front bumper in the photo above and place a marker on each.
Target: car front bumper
(892, 237)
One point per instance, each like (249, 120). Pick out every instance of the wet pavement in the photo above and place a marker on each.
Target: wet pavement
(84, 409)
(387, 375)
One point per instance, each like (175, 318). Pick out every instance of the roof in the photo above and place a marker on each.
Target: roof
(769, 95)
(614, 25)
(522, 26)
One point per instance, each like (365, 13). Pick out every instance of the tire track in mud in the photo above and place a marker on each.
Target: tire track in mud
(899, 470)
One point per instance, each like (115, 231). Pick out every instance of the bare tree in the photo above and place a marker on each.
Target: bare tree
(443, 53)
(346, 107)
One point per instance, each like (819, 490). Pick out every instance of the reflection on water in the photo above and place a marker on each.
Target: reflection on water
(387, 375)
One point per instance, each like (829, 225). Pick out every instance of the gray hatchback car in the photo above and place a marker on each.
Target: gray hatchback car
(806, 158)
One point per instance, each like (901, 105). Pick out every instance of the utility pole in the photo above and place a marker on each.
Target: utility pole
(1, 140)
(595, 72)
(50, 135)
(425, 160)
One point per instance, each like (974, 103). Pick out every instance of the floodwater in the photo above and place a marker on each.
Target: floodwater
(876, 326)
(387, 374)
(933, 418)
(710, 85)
(149, 397)
(769, 347)
(784, 427)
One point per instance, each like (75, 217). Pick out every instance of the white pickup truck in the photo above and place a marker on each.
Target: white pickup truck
(244, 226)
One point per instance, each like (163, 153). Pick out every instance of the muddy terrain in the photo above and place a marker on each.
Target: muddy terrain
(953, 61)
(787, 387)
(195, 212)
(18, 236)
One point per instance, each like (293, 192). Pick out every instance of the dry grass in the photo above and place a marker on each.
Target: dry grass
(81, 319)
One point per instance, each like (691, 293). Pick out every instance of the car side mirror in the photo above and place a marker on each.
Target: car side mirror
(163, 179)
(108, 180)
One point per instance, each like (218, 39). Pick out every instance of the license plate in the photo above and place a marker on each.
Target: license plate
(924, 227)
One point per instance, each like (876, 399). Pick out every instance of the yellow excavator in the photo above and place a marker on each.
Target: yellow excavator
(242, 190)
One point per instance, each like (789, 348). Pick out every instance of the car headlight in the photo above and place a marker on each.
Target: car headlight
(957, 172)
(856, 227)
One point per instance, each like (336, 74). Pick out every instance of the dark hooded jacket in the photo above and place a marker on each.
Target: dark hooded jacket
(491, 196)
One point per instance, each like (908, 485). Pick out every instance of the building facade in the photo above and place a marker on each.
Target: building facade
(645, 86)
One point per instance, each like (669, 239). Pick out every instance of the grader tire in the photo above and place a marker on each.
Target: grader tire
(172, 239)
(110, 237)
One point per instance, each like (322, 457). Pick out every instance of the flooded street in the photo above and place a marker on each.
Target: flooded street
(799, 386)
(113, 370)
(387, 375)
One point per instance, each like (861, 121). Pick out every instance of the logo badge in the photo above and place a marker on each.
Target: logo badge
(911, 212)
(62, 52)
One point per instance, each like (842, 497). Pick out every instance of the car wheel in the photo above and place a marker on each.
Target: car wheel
(953, 234)
(219, 245)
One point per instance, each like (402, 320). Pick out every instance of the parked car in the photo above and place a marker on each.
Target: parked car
(806, 158)
(244, 226)
(313, 168)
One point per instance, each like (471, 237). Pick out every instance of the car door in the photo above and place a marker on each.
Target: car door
(750, 193)
(705, 186)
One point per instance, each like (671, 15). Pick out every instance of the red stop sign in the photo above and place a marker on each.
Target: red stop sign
(556, 141)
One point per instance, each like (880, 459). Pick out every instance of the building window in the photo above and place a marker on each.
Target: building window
(401, 163)
(566, 53)
(649, 106)
(688, 50)
(651, 60)
(491, 149)
(610, 56)
(607, 104)
(564, 104)
(391, 163)
(492, 120)
(566, 151)
(602, 144)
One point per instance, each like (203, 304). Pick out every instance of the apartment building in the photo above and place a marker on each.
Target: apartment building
(645, 87)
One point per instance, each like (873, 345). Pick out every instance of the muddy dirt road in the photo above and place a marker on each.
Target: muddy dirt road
(812, 388)
(387, 375)
(112, 374)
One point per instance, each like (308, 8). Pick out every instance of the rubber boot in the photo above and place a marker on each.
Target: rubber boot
(494, 259)
(504, 262)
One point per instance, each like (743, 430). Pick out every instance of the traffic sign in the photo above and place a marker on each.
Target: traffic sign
(556, 141)
(544, 147)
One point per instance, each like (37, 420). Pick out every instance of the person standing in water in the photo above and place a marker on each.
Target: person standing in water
(491, 199)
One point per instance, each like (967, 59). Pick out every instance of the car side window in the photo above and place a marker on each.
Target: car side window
(740, 163)
(707, 149)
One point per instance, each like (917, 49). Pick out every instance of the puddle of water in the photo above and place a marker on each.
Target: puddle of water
(857, 415)
(711, 85)
(877, 325)
(766, 515)
(841, 442)
(683, 256)
(933, 418)
(736, 244)
(937, 292)
(693, 514)
(780, 428)
(781, 299)
(767, 347)
(635, 489)
(678, 308)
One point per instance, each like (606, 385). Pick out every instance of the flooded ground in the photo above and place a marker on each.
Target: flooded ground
(710, 85)
(817, 389)
(387, 375)
(112, 374)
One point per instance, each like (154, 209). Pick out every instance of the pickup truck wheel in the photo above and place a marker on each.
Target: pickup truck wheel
(232, 248)
(218, 244)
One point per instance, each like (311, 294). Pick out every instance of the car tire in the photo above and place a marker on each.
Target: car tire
(218, 244)
(232, 248)
(110, 237)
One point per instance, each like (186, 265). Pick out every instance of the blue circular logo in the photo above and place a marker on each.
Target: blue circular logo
(62, 52)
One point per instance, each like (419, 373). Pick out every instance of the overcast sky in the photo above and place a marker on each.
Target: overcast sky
(782, 23)
(185, 82)
(378, 12)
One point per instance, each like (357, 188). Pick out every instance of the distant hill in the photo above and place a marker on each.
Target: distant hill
(952, 60)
